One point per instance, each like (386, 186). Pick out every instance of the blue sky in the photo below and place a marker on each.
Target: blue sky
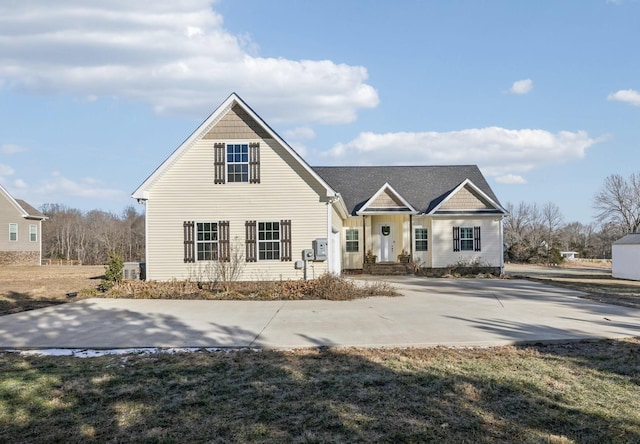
(543, 95)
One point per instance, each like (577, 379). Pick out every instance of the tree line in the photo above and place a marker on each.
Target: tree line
(88, 237)
(537, 233)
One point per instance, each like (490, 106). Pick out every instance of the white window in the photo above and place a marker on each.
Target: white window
(238, 162)
(352, 240)
(466, 238)
(207, 241)
(421, 239)
(33, 232)
(13, 232)
(268, 240)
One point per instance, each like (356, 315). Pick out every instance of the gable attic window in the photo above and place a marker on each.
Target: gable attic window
(237, 162)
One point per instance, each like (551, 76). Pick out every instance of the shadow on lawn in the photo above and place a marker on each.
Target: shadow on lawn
(324, 395)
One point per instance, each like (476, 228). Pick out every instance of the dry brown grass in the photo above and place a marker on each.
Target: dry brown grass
(559, 393)
(29, 287)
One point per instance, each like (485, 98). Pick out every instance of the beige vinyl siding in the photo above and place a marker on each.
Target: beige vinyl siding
(442, 241)
(466, 199)
(9, 214)
(187, 192)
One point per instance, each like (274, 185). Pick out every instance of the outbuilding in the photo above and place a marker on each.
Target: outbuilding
(626, 257)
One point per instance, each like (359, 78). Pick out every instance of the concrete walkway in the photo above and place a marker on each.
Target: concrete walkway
(450, 312)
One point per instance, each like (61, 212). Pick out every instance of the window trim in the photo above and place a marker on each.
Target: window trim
(245, 172)
(466, 242)
(261, 226)
(33, 233)
(416, 239)
(13, 230)
(348, 241)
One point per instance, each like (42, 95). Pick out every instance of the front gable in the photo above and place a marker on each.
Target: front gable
(467, 198)
(386, 200)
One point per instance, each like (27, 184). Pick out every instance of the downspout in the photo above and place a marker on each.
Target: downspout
(329, 238)
(501, 246)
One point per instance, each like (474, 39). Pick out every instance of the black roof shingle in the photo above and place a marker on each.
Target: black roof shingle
(424, 187)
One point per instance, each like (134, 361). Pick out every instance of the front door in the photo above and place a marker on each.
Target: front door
(385, 233)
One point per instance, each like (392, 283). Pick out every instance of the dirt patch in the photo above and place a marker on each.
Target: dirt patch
(28, 287)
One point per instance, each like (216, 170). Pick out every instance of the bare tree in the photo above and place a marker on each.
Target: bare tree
(618, 202)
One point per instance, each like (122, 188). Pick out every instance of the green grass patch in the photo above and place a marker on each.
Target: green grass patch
(580, 392)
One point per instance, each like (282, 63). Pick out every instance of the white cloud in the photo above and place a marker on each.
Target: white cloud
(500, 152)
(521, 86)
(626, 95)
(20, 184)
(175, 56)
(59, 185)
(6, 170)
(12, 149)
(300, 133)
(510, 179)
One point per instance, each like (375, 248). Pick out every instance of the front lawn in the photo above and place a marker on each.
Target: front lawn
(581, 392)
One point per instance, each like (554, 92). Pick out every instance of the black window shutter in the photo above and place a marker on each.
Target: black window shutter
(476, 238)
(219, 154)
(254, 162)
(456, 238)
(223, 241)
(189, 244)
(250, 240)
(285, 240)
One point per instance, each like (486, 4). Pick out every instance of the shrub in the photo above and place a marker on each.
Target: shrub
(113, 271)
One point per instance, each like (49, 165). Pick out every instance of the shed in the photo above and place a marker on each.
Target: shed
(625, 255)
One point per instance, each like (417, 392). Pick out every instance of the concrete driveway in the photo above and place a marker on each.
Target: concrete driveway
(450, 312)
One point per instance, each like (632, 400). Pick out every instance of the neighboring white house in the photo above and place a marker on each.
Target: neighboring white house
(569, 255)
(21, 231)
(625, 257)
(236, 188)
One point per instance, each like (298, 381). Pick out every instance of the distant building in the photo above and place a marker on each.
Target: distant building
(625, 255)
(20, 231)
(569, 255)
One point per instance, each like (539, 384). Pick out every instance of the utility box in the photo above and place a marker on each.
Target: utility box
(308, 255)
(134, 271)
(320, 249)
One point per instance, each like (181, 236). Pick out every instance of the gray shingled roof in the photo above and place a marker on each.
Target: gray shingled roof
(32, 212)
(422, 186)
(629, 239)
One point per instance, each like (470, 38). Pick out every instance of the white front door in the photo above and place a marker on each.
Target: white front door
(385, 233)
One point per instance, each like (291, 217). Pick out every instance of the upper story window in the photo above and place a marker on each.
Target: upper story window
(238, 162)
(13, 232)
(33, 232)
(421, 239)
(352, 240)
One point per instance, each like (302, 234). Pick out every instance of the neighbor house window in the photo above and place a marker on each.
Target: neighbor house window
(353, 241)
(238, 162)
(268, 240)
(207, 241)
(33, 233)
(13, 232)
(466, 238)
(421, 239)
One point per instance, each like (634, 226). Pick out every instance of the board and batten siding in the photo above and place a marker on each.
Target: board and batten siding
(441, 244)
(186, 191)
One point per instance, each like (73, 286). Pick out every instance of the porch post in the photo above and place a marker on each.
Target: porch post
(364, 241)
(411, 238)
